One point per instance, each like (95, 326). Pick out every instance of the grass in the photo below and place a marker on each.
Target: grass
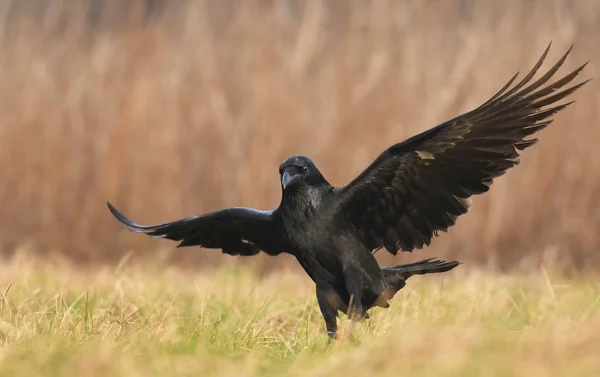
(144, 320)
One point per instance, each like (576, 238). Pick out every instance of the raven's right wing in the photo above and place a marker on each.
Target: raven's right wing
(236, 231)
(419, 187)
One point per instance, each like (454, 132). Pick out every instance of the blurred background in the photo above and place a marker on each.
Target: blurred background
(169, 109)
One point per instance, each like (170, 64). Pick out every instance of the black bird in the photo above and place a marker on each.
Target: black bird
(413, 190)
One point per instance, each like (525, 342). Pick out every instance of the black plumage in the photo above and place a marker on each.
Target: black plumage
(413, 190)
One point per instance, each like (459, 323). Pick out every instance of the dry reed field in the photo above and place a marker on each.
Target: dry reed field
(170, 109)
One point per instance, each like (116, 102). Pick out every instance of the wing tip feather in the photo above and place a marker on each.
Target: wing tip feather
(128, 223)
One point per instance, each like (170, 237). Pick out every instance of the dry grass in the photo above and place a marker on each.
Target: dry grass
(143, 320)
(189, 106)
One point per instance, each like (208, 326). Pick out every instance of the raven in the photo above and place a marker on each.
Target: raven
(413, 190)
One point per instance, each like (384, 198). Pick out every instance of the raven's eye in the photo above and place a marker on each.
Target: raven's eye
(304, 169)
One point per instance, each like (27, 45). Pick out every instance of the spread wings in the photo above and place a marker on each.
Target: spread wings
(236, 231)
(418, 187)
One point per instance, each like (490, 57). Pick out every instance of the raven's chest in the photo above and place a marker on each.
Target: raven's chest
(311, 232)
(307, 220)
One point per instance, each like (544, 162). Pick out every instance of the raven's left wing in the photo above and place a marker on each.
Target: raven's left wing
(418, 187)
(236, 231)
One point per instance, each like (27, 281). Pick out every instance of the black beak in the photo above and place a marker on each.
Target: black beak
(286, 178)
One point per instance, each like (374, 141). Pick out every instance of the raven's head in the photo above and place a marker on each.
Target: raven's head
(296, 171)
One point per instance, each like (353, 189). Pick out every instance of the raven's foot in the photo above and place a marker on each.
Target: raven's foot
(327, 302)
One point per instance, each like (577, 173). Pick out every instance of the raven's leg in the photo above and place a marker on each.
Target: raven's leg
(354, 285)
(328, 303)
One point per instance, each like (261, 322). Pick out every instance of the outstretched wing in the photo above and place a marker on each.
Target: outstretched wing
(236, 231)
(418, 187)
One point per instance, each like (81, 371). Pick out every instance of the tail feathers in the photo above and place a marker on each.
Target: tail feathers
(395, 276)
(427, 266)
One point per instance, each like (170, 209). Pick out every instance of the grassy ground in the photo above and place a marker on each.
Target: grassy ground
(150, 321)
